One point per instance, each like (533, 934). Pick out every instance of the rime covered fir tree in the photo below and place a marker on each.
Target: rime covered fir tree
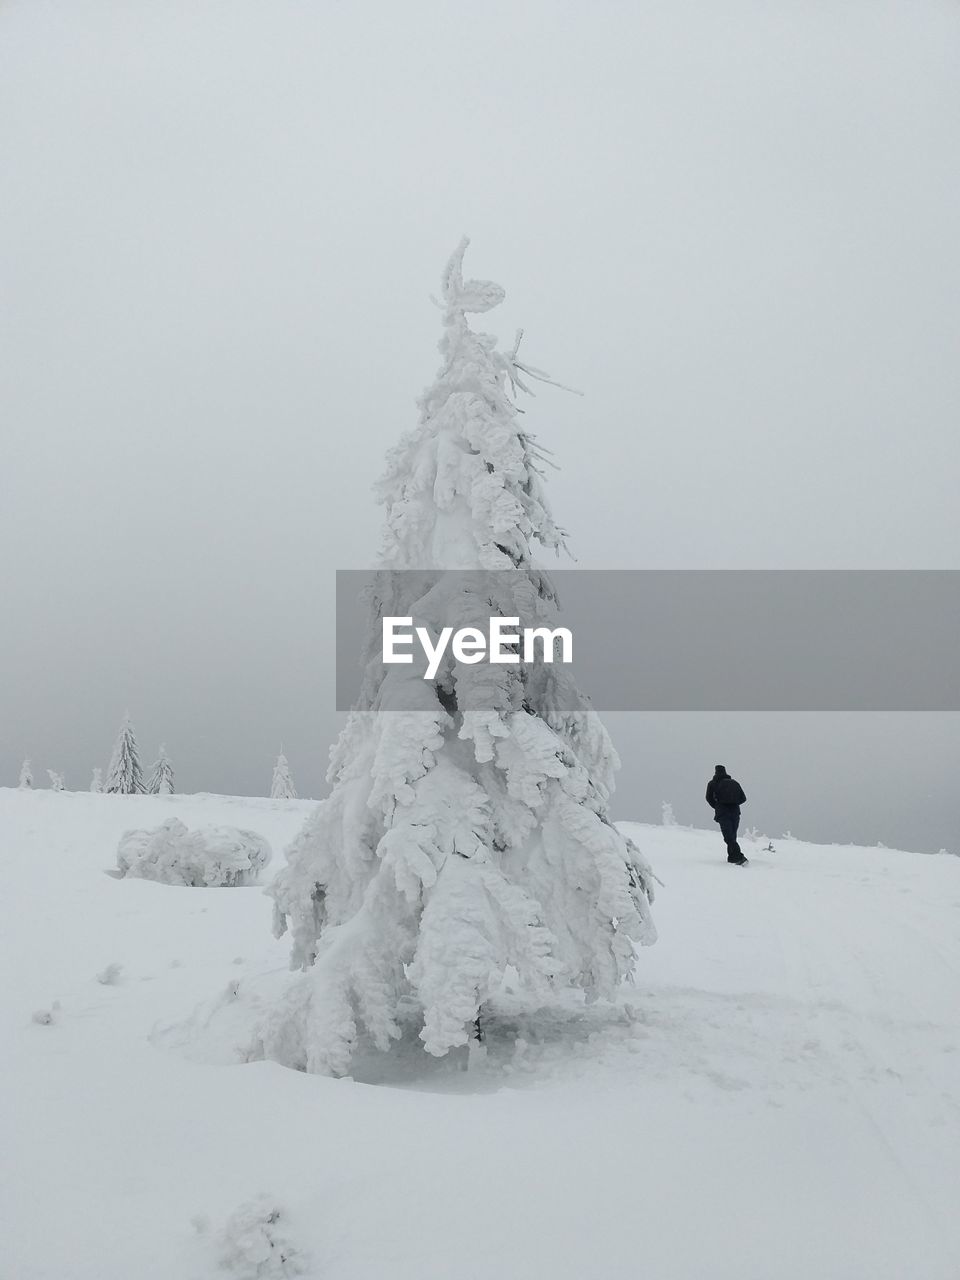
(124, 775)
(56, 780)
(282, 788)
(96, 782)
(467, 830)
(25, 781)
(160, 782)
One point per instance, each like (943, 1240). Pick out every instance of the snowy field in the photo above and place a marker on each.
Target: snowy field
(778, 1096)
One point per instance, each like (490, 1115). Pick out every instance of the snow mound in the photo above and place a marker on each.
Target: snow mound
(254, 1247)
(206, 857)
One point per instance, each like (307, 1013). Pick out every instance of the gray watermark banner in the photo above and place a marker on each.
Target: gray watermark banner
(671, 640)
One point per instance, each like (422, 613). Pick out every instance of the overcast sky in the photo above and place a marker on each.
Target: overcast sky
(734, 225)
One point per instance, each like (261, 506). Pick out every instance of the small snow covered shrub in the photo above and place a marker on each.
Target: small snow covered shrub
(205, 857)
(254, 1247)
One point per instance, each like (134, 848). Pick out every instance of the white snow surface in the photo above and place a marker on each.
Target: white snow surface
(777, 1096)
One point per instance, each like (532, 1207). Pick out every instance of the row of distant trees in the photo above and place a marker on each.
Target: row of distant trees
(125, 775)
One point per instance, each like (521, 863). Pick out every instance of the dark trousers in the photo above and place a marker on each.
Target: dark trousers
(728, 815)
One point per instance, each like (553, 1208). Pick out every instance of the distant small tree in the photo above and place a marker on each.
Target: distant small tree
(160, 782)
(26, 777)
(282, 787)
(125, 776)
(667, 818)
(56, 780)
(96, 782)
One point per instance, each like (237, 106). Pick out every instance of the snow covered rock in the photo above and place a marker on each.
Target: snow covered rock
(205, 857)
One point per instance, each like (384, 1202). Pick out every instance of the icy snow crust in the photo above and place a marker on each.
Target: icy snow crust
(778, 1096)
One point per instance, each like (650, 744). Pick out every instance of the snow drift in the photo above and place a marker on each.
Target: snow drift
(208, 857)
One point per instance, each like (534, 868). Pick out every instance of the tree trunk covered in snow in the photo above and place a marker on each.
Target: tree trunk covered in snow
(467, 828)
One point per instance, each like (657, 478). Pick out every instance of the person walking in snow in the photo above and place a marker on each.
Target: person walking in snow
(725, 796)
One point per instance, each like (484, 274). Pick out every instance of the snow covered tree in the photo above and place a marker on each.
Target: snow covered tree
(282, 787)
(56, 780)
(96, 782)
(160, 782)
(25, 781)
(124, 775)
(668, 819)
(467, 830)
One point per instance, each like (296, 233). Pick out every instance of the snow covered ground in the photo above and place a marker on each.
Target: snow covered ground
(778, 1096)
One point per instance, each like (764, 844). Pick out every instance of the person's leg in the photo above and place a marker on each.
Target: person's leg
(727, 829)
(729, 822)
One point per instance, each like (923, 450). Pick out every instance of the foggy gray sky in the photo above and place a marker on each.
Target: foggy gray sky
(733, 225)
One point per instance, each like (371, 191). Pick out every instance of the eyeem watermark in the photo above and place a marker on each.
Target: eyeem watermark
(660, 640)
(504, 642)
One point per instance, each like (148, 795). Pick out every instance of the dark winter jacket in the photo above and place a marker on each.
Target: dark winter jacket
(724, 792)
